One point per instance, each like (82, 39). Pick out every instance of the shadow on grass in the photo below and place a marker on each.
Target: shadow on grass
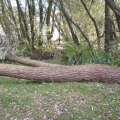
(10, 80)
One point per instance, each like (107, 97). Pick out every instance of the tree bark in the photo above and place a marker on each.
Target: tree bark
(94, 22)
(29, 62)
(46, 72)
(115, 9)
(108, 28)
(83, 73)
(74, 37)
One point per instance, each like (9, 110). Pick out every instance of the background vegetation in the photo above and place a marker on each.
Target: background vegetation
(93, 26)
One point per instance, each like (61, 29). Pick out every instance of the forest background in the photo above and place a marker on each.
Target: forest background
(90, 29)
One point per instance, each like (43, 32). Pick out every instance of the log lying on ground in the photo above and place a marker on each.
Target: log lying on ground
(87, 73)
(28, 62)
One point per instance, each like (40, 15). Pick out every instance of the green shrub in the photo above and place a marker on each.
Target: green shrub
(76, 55)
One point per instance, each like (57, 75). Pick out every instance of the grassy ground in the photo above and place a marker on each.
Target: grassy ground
(26, 100)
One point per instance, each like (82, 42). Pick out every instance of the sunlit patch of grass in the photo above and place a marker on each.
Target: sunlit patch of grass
(27, 100)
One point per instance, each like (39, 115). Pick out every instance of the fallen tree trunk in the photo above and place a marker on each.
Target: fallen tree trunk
(28, 62)
(87, 73)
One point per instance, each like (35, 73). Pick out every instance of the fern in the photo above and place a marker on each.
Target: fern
(76, 55)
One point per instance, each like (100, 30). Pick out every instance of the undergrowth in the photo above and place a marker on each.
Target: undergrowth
(76, 55)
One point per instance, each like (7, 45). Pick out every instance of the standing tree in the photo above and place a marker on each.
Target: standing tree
(110, 32)
(26, 20)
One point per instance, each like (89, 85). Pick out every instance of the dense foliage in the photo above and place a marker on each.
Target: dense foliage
(92, 26)
(83, 55)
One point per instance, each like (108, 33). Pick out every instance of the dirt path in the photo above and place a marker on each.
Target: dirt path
(55, 61)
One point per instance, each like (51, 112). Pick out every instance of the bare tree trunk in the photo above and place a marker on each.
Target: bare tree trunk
(94, 22)
(108, 28)
(22, 20)
(83, 73)
(115, 9)
(69, 21)
(74, 36)
(49, 11)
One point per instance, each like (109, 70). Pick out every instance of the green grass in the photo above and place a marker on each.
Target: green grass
(27, 100)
